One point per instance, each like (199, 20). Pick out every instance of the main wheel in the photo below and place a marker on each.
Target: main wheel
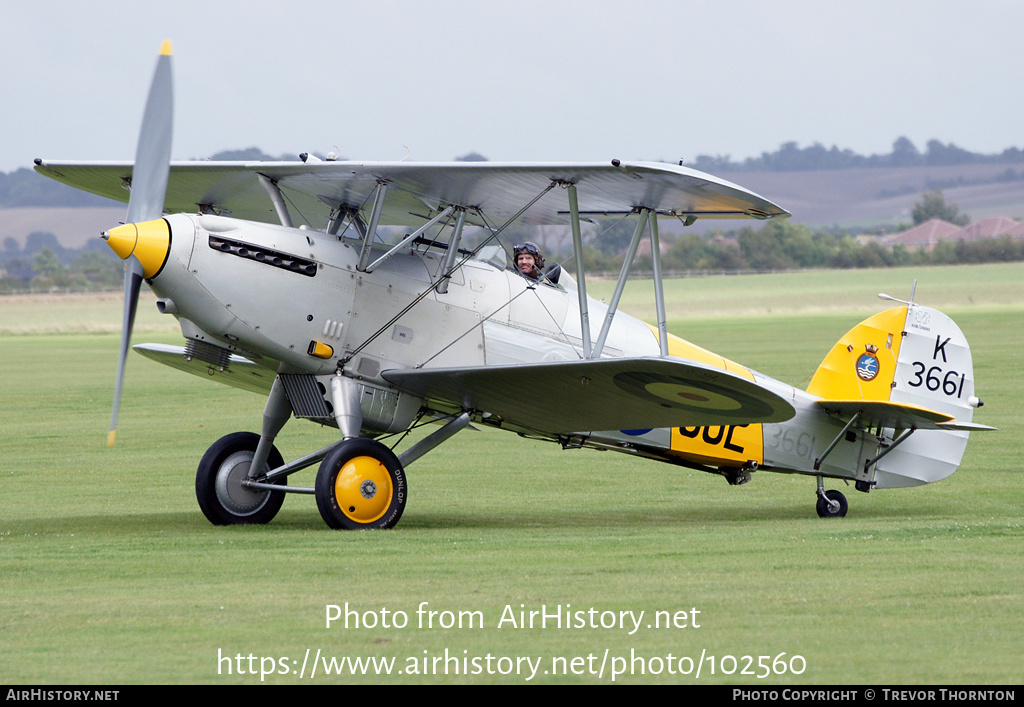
(361, 484)
(828, 510)
(219, 490)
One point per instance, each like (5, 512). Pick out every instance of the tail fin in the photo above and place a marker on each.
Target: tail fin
(907, 356)
(862, 365)
(911, 355)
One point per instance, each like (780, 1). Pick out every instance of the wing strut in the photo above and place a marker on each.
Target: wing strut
(428, 443)
(411, 237)
(371, 229)
(453, 252)
(338, 217)
(828, 450)
(620, 284)
(274, 192)
(646, 216)
(581, 282)
(659, 288)
(897, 442)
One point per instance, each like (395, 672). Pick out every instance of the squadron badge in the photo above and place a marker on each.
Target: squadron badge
(867, 367)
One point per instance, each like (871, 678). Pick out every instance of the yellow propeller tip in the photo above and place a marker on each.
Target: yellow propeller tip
(165, 48)
(111, 436)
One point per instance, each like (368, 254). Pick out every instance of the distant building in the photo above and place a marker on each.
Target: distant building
(992, 227)
(926, 235)
(923, 236)
(644, 247)
(1017, 231)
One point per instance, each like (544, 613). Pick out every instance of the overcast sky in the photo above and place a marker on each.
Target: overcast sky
(513, 80)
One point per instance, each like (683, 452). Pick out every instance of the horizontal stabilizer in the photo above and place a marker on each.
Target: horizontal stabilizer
(966, 426)
(878, 413)
(232, 369)
(604, 394)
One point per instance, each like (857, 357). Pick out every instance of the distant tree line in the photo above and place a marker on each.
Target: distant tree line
(784, 245)
(43, 264)
(776, 246)
(790, 157)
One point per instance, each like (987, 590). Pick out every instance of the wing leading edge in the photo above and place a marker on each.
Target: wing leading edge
(605, 394)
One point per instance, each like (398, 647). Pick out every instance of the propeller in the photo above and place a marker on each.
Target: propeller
(145, 205)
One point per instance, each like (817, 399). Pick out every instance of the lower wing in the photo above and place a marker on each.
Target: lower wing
(603, 394)
(232, 369)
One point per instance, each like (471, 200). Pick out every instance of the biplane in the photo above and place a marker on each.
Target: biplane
(288, 280)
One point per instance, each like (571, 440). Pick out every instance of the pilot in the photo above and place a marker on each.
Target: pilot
(528, 259)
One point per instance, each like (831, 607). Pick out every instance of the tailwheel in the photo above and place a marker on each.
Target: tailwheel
(832, 504)
(361, 484)
(219, 490)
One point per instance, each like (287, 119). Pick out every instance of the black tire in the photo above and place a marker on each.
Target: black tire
(361, 485)
(823, 507)
(218, 482)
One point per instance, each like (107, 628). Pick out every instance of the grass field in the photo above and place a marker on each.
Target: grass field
(110, 573)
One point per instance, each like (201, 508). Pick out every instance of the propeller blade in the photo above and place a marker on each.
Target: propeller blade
(132, 285)
(153, 153)
(146, 203)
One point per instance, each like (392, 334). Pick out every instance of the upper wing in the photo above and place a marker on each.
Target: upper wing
(604, 394)
(416, 189)
(903, 416)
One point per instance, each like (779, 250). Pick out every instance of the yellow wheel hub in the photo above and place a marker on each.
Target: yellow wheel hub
(363, 489)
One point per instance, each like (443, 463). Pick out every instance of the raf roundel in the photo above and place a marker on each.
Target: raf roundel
(692, 395)
(867, 367)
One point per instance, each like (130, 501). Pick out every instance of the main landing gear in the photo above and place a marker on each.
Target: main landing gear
(831, 503)
(360, 483)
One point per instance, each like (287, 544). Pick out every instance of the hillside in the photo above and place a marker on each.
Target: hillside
(883, 197)
(74, 227)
